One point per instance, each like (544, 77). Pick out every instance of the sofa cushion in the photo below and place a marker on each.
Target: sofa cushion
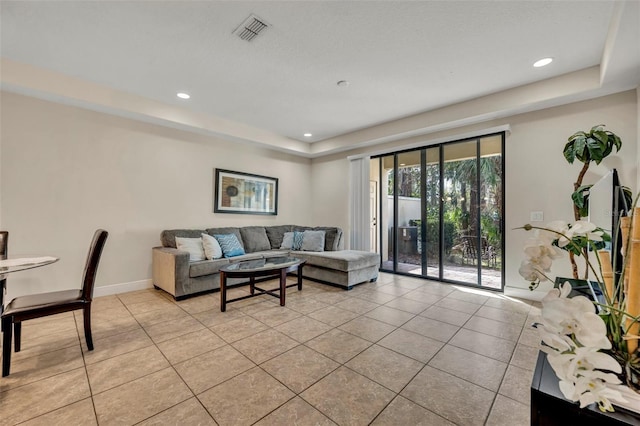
(342, 260)
(298, 239)
(255, 239)
(276, 234)
(212, 249)
(275, 253)
(168, 237)
(248, 256)
(230, 245)
(206, 267)
(313, 241)
(193, 246)
(287, 241)
(332, 237)
(230, 230)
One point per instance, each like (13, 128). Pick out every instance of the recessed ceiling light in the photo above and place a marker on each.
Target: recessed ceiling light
(343, 83)
(183, 95)
(307, 135)
(542, 62)
(402, 164)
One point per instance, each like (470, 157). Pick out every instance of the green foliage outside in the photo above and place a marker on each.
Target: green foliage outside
(460, 200)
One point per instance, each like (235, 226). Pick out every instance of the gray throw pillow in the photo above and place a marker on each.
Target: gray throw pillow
(287, 241)
(255, 239)
(313, 241)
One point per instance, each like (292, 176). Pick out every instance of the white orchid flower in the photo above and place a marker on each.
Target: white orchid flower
(530, 272)
(571, 332)
(586, 229)
(561, 292)
(568, 389)
(554, 342)
(553, 230)
(593, 388)
(540, 258)
(580, 381)
(536, 247)
(560, 363)
(558, 226)
(589, 358)
(574, 317)
(591, 331)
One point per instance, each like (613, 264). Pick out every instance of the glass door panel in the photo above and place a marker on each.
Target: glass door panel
(429, 235)
(491, 214)
(387, 212)
(441, 211)
(409, 211)
(460, 225)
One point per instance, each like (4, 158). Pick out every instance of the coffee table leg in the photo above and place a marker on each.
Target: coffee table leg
(283, 285)
(300, 277)
(252, 285)
(223, 291)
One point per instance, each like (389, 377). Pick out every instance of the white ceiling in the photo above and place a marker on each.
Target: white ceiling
(401, 57)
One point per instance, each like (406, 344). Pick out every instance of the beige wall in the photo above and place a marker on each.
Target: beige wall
(537, 176)
(66, 171)
(330, 189)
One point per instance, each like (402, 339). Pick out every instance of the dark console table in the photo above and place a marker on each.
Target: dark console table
(549, 407)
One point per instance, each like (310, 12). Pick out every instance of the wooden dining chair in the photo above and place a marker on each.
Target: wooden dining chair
(44, 304)
(4, 252)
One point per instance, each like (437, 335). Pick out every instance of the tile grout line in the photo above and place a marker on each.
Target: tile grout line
(304, 344)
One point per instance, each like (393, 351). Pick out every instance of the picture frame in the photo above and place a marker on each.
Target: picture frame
(245, 193)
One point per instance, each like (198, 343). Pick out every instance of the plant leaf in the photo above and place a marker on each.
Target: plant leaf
(617, 141)
(594, 150)
(581, 199)
(569, 152)
(601, 135)
(579, 148)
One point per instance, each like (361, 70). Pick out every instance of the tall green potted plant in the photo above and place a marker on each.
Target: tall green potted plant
(587, 147)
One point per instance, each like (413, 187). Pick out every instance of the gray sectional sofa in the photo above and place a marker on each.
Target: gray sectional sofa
(175, 274)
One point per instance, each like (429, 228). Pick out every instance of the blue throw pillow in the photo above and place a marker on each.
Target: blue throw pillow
(230, 245)
(298, 238)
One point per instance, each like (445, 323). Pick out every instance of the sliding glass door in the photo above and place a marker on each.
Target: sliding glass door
(441, 211)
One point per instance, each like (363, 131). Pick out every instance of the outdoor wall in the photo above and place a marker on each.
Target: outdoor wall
(67, 171)
(537, 177)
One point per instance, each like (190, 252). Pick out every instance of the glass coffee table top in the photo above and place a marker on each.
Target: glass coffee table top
(261, 264)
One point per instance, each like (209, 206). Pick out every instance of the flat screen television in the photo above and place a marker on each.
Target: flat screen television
(607, 204)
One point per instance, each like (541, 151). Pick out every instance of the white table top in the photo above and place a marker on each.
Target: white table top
(21, 263)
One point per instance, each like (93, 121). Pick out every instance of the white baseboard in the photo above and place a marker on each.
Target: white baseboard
(108, 290)
(524, 293)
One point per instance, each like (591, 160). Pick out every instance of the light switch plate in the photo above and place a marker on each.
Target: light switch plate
(537, 217)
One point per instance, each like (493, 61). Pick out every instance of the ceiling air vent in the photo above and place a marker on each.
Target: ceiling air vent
(250, 28)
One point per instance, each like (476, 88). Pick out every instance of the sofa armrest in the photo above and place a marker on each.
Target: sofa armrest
(170, 268)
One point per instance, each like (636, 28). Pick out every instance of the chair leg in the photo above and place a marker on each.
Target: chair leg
(2, 291)
(17, 334)
(6, 345)
(86, 314)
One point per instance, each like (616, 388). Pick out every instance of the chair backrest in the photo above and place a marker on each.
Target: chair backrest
(471, 245)
(4, 244)
(91, 266)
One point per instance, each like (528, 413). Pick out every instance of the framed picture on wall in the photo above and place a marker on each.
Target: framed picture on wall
(237, 192)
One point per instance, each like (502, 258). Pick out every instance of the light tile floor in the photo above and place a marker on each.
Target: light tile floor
(401, 351)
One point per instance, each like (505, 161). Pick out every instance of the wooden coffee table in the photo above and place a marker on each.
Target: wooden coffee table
(275, 266)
